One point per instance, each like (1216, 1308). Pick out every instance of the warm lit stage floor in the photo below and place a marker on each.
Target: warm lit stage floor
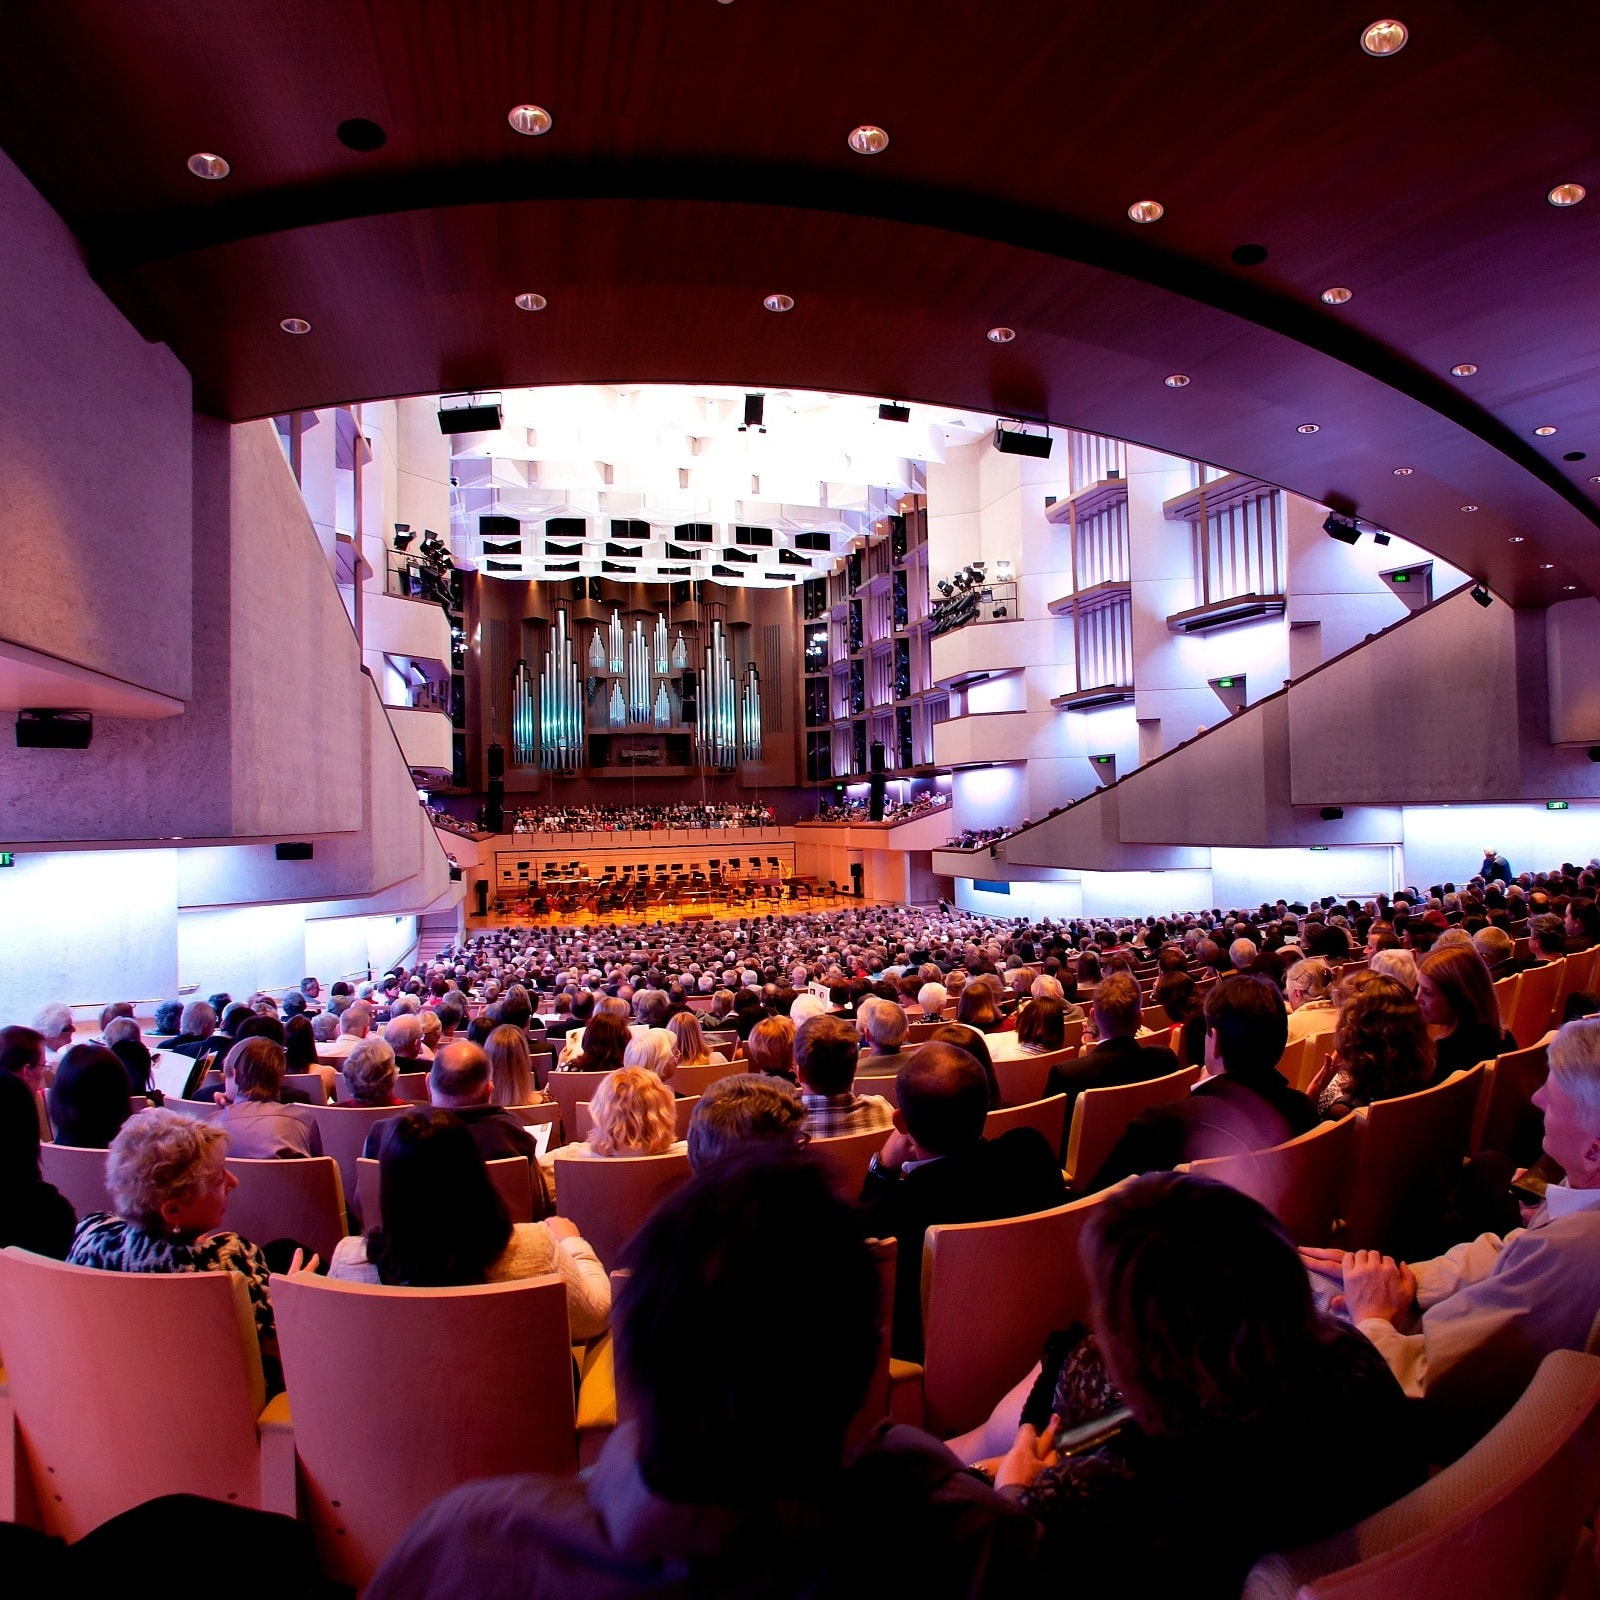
(702, 911)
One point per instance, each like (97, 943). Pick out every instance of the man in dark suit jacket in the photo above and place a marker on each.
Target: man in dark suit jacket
(936, 1166)
(1119, 1058)
(1246, 1103)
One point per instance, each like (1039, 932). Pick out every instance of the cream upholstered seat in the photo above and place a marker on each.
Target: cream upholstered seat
(1302, 1182)
(362, 1455)
(1506, 1115)
(1023, 1078)
(847, 1157)
(991, 1292)
(696, 1080)
(609, 1199)
(412, 1087)
(200, 1110)
(567, 1089)
(1411, 1154)
(1529, 1016)
(311, 1084)
(301, 1200)
(1049, 1116)
(1101, 1116)
(79, 1174)
(1503, 1521)
(90, 1433)
(344, 1131)
(511, 1176)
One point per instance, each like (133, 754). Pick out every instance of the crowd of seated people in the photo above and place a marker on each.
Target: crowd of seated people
(859, 808)
(454, 824)
(814, 1007)
(643, 818)
(971, 838)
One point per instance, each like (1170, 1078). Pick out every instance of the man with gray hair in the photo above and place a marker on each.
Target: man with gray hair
(54, 1022)
(199, 1035)
(1467, 1330)
(403, 1035)
(1498, 949)
(354, 1025)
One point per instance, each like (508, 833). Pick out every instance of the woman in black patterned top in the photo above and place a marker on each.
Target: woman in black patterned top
(167, 1175)
(1255, 1425)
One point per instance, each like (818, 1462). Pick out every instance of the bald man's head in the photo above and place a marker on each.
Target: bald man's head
(459, 1076)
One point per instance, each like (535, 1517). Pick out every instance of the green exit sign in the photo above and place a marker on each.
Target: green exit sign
(1102, 761)
(1549, 805)
(7, 859)
(1402, 577)
(1224, 683)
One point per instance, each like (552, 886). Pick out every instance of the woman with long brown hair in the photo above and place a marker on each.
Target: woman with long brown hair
(1461, 1009)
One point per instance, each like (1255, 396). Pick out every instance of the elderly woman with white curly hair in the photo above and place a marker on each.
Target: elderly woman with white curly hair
(369, 1075)
(170, 1184)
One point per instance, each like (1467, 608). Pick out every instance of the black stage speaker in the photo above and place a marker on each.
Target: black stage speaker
(494, 809)
(577, 588)
(54, 730)
(681, 591)
(293, 852)
(855, 878)
(1011, 443)
(497, 761)
(689, 689)
(470, 419)
(482, 886)
(876, 791)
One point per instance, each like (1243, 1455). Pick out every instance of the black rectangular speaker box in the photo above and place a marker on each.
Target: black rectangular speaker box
(497, 761)
(578, 588)
(54, 730)
(1010, 443)
(566, 528)
(755, 409)
(551, 548)
(681, 593)
(894, 413)
(498, 527)
(297, 851)
(470, 419)
(692, 533)
(597, 590)
(879, 756)
(700, 587)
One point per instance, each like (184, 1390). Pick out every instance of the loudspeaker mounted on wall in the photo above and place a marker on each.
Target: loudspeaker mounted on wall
(54, 730)
(1331, 813)
(497, 761)
(596, 589)
(297, 851)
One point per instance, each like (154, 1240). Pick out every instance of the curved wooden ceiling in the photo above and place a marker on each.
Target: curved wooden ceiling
(698, 162)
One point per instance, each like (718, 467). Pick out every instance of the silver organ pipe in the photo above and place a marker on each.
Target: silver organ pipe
(638, 675)
(524, 737)
(560, 704)
(750, 720)
(660, 651)
(719, 700)
(616, 637)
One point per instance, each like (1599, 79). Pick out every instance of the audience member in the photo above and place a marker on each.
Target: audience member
(655, 1050)
(693, 1051)
(1381, 1047)
(746, 1110)
(1118, 1057)
(825, 1052)
(32, 1214)
(604, 1039)
(369, 1075)
(22, 1055)
(769, 1049)
(510, 1067)
(90, 1098)
(259, 1126)
(1461, 1009)
(632, 1113)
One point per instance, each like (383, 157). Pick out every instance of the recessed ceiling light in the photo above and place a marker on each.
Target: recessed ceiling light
(1569, 587)
(1337, 295)
(1176, 380)
(295, 325)
(1001, 335)
(531, 120)
(1403, 472)
(1464, 369)
(779, 302)
(531, 302)
(868, 140)
(1547, 566)
(1309, 427)
(1515, 538)
(203, 164)
(1566, 194)
(1469, 508)
(1385, 38)
(1146, 211)
(1545, 430)
(1574, 455)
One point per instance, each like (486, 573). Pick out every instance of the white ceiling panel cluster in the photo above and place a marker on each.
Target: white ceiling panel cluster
(768, 502)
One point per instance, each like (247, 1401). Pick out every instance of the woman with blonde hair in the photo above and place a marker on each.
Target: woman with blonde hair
(655, 1050)
(770, 1048)
(510, 1068)
(633, 1113)
(693, 1051)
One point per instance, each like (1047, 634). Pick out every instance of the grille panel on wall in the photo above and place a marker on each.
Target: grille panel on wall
(775, 707)
(498, 674)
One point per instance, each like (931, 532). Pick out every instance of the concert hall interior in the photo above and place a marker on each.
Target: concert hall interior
(527, 504)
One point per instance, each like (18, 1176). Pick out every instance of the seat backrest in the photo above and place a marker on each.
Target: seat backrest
(684, 1110)
(311, 1084)
(200, 1110)
(96, 1435)
(883, 1086)
(513, 1179)
(371, 1456)
(412, 1086)
(567, 1089)
(1101, 1116)
(1411, 1155)
(301, 1200)
(1505, 993)
(1292, 1059)
(1302, 1182)
(609, 1199)
(718, 1037)
(1529, 1016)
(1023, 1078)
(696, 1080)
(1507, 1119)
(79, 1174)
(1316, 1048)
(1504, 1520)
(874, 1405)
(1024, 1274)
(1048, 1116)
(846, 1156)
(344, 1131)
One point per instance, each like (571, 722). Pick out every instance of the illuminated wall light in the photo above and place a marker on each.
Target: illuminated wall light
(1309, 427)
(1464, 369)
(1001, 335)
(1146, 211)
(295, 325)
(1176, 380)
(530, 302)
(779, 302)
(1545, 430)
(206, 164)
(530, 120)
(1384, 38)
(1337, 295)
(1566, 194)
(868, 140)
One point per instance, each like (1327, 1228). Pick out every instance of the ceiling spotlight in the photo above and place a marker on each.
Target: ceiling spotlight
(1481, 595)
(1566, 194)
(1309, 427)
(1547, 566)
(868, 140)
(530, 302)
(1464, 370)
(1146, 211)
(1403, 472)
(1515, 538)
(203, 164)
(1469, 508)
(779, 302)
(1385, 38)
(402, 535)
(295, 325)
(1001, 335)
(1345, 529)
(1569, 587)
(1337, 295)
(1545, 430)
(1380, 538)
(531, 120)
(1176, 380)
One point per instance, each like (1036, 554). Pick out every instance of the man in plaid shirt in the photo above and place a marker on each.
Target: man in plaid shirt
(825, 1050)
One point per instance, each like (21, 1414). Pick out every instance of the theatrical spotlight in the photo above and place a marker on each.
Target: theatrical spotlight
(755, 411)
(1345, 529)
(945, 588)
(1481, 595)
(402, 535)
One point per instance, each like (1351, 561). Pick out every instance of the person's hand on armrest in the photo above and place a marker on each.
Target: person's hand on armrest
(1377, 1287)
